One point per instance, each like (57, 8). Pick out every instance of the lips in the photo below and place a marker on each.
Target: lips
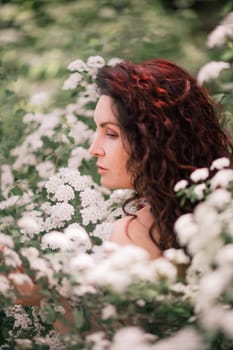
(100, 167)
(101, 170)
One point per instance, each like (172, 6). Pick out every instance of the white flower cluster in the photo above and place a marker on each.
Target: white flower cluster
(135, 338)
(78, 154)
(65, 182)
(60, 213)
(103, 230)
(211, 71)
(30, 223)
(218, 37)
(6, 178)
(16, 201)
(62, 186)
(73, 238)
(79, 131)
(79, 66)
(207, 234)
(111, 271)
(222, 33)
(25, 153)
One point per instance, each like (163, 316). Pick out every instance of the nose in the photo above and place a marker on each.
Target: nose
(96, 150)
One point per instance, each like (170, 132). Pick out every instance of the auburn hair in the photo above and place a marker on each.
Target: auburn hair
(170, 127)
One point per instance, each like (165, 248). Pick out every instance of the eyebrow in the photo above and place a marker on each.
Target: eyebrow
(102, 125)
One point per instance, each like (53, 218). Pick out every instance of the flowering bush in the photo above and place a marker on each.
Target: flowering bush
(55, 221)
(217, 73)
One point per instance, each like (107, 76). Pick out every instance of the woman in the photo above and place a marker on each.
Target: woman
(155, 125)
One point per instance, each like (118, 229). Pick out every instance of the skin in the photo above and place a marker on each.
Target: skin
(108, 147)
(112, 156)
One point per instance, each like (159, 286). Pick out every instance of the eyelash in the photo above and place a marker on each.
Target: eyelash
(111, 134)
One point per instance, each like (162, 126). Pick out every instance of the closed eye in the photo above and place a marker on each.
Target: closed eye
(111, 134)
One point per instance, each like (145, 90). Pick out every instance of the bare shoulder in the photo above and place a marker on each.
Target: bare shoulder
(119, 232)
(135, 230)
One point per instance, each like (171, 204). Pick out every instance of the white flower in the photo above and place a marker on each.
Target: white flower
(57, 240)
(119, 196)
(45, 169)
(4, 286)
(109, 311)
(206, 216)
(226, 323)
(10, 202)
(81, 262)
(21, 318)
(165, 269)
(103, 230)
(94, 213)
(199, 174)
(219, 35)
(20, 279)
(219, 198)
(6, 240)
(90, 196)
(176, 256)
(79, 236)
(225, 255)
(222, 32)
(179, 288)
(77, 65)
(53, 184)
(80, 132)
(110, 247)
(28, 224)
(220, 163)
(81, 182)
(7, 220)
(222, 178)
(114, 61)
(211, 70)
(77, 157)
(74, 179)
(185, 339)
(43, 270)
(6, 177)
(72, 82)
(104, 275)
(62, 212)
(131, 338)
(128, 255)
(11, 258)
(212, 286)
(199, 190)
(98, 341)
(64, 193)
(95, 62)
(46, 207)
(186, 228)
(141, 302)
(30, 253)
(39, 98)
(180, 185)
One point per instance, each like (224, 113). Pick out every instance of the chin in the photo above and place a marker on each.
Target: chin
(108, 184)
(114, 186)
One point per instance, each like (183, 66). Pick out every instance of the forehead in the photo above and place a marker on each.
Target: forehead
(104, 111)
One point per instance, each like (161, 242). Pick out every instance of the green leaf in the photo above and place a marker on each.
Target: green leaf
(79, 318)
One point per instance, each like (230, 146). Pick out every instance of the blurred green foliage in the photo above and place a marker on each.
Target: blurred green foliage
(38, 38)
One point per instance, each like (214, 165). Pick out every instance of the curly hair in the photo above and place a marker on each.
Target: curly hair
(171, 128)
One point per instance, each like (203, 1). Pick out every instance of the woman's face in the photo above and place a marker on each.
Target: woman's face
(108, 147)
